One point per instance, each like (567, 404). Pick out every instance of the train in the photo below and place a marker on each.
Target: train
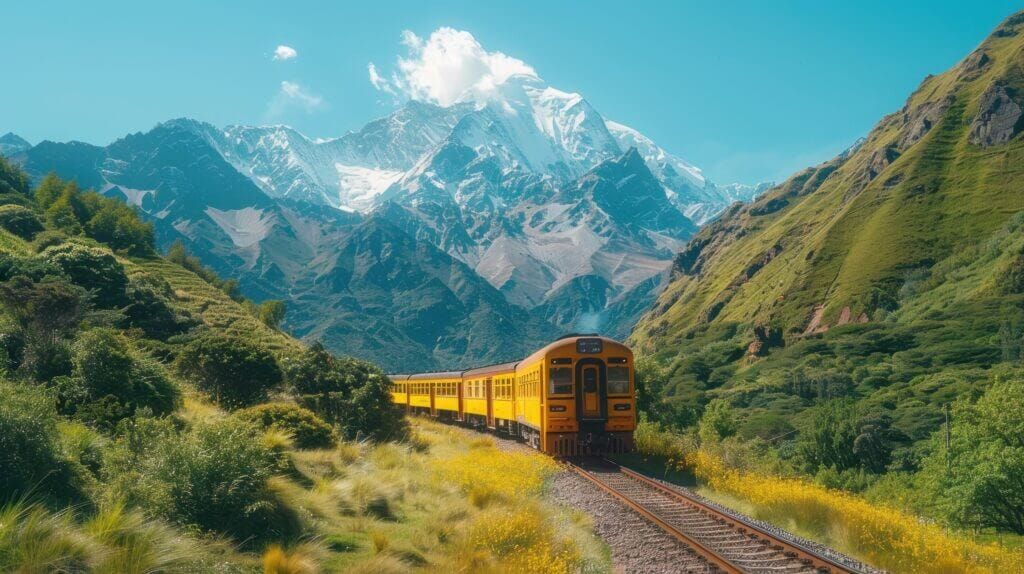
(574, 397)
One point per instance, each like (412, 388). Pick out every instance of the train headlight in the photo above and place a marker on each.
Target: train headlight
(557, 408)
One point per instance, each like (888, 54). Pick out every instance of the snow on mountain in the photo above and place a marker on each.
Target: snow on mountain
(11, 144)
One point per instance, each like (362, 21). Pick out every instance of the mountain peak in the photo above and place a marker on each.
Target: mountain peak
(11, 144)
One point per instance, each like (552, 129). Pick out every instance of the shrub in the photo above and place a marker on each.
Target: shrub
(352, 394)
(109, 383)
(119, 226)
(718, 422)
(45, 312)
(305, 428)
(15, 199)
(150, 308)
(271, 312)
(20, 221)
(234, 372)
(213, 476)
(31, 462)
(48, 238)
(93, 269)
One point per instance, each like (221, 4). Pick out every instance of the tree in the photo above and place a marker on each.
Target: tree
(12, 179)
(233, 371)
(271, 312)
(48, 190)
(718, 422)
(826, 439)
(20, 221)
(119, 226)
(305, 428)
(979, 480)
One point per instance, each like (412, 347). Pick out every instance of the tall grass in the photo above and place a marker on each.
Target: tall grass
(882, 536)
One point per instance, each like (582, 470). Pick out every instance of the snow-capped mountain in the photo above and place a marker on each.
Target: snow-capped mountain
(427, 236)
(526, 125)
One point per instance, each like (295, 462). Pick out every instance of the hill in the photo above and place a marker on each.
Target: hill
(154, 420)
(885, 281)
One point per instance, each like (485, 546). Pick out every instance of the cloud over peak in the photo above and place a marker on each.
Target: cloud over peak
(450, 66)
(283, 53)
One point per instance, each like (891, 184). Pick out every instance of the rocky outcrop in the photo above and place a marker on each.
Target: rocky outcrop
(880, 160)
(998, 119)
(919, 120)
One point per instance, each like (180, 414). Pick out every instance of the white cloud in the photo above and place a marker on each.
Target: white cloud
(379, 82)
(292, 96)
(283, 53)
(448, 67)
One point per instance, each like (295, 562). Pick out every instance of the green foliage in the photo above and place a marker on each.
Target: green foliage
(979, 480)
(31, 462)
(12, 179)
(93, 269)
(352, 394)
(110, 383)
(20, 221)
(306, 429)
(839, 435)
(48, 238)
(151, 309)
(718, 422)
(107, 220)
(271, 312)
(233, 371)
(45, 313)
(213, 476)
(119, 226)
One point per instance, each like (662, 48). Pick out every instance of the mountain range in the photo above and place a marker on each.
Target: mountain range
(432, 237)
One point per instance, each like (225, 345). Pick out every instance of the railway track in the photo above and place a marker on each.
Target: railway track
(727, 543)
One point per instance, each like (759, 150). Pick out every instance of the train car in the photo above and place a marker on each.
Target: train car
(573, 397)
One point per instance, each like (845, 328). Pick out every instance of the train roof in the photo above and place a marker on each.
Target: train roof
(563, 341)
(436, 375)
(490, 369)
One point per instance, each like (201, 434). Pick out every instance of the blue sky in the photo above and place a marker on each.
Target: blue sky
(748, 91)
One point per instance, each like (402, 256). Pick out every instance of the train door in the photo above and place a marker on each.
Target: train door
(490, 402)
(591, 390)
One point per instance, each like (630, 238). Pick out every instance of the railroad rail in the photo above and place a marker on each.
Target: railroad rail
(727, 543)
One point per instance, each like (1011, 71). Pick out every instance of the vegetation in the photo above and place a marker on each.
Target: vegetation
(233, 371)
(845, 326)
(877, 532)
(135, 436)
(307, 430)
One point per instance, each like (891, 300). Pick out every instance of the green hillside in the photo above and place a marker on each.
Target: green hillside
(876, 288)
(152, 420)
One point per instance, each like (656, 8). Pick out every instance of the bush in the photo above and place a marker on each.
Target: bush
(20, 221)
(48, 238)
(31, 462)
(119, 226)
(110, 384)
(45, 313)
(352, 394)
(213, 476)
(93, 269)
(305, 428)
(150, 308)
(234, 372)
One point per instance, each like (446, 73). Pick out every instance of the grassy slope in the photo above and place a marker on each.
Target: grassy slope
(892, 247)
(429, 504)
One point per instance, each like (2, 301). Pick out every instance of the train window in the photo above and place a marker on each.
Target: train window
(561, 381)
(618, 380)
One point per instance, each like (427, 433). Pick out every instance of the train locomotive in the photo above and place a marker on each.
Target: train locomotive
(574, 397)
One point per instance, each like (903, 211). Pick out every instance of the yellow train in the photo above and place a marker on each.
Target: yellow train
(575, 396)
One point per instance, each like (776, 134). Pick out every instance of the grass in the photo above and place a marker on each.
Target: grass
(883, 536)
